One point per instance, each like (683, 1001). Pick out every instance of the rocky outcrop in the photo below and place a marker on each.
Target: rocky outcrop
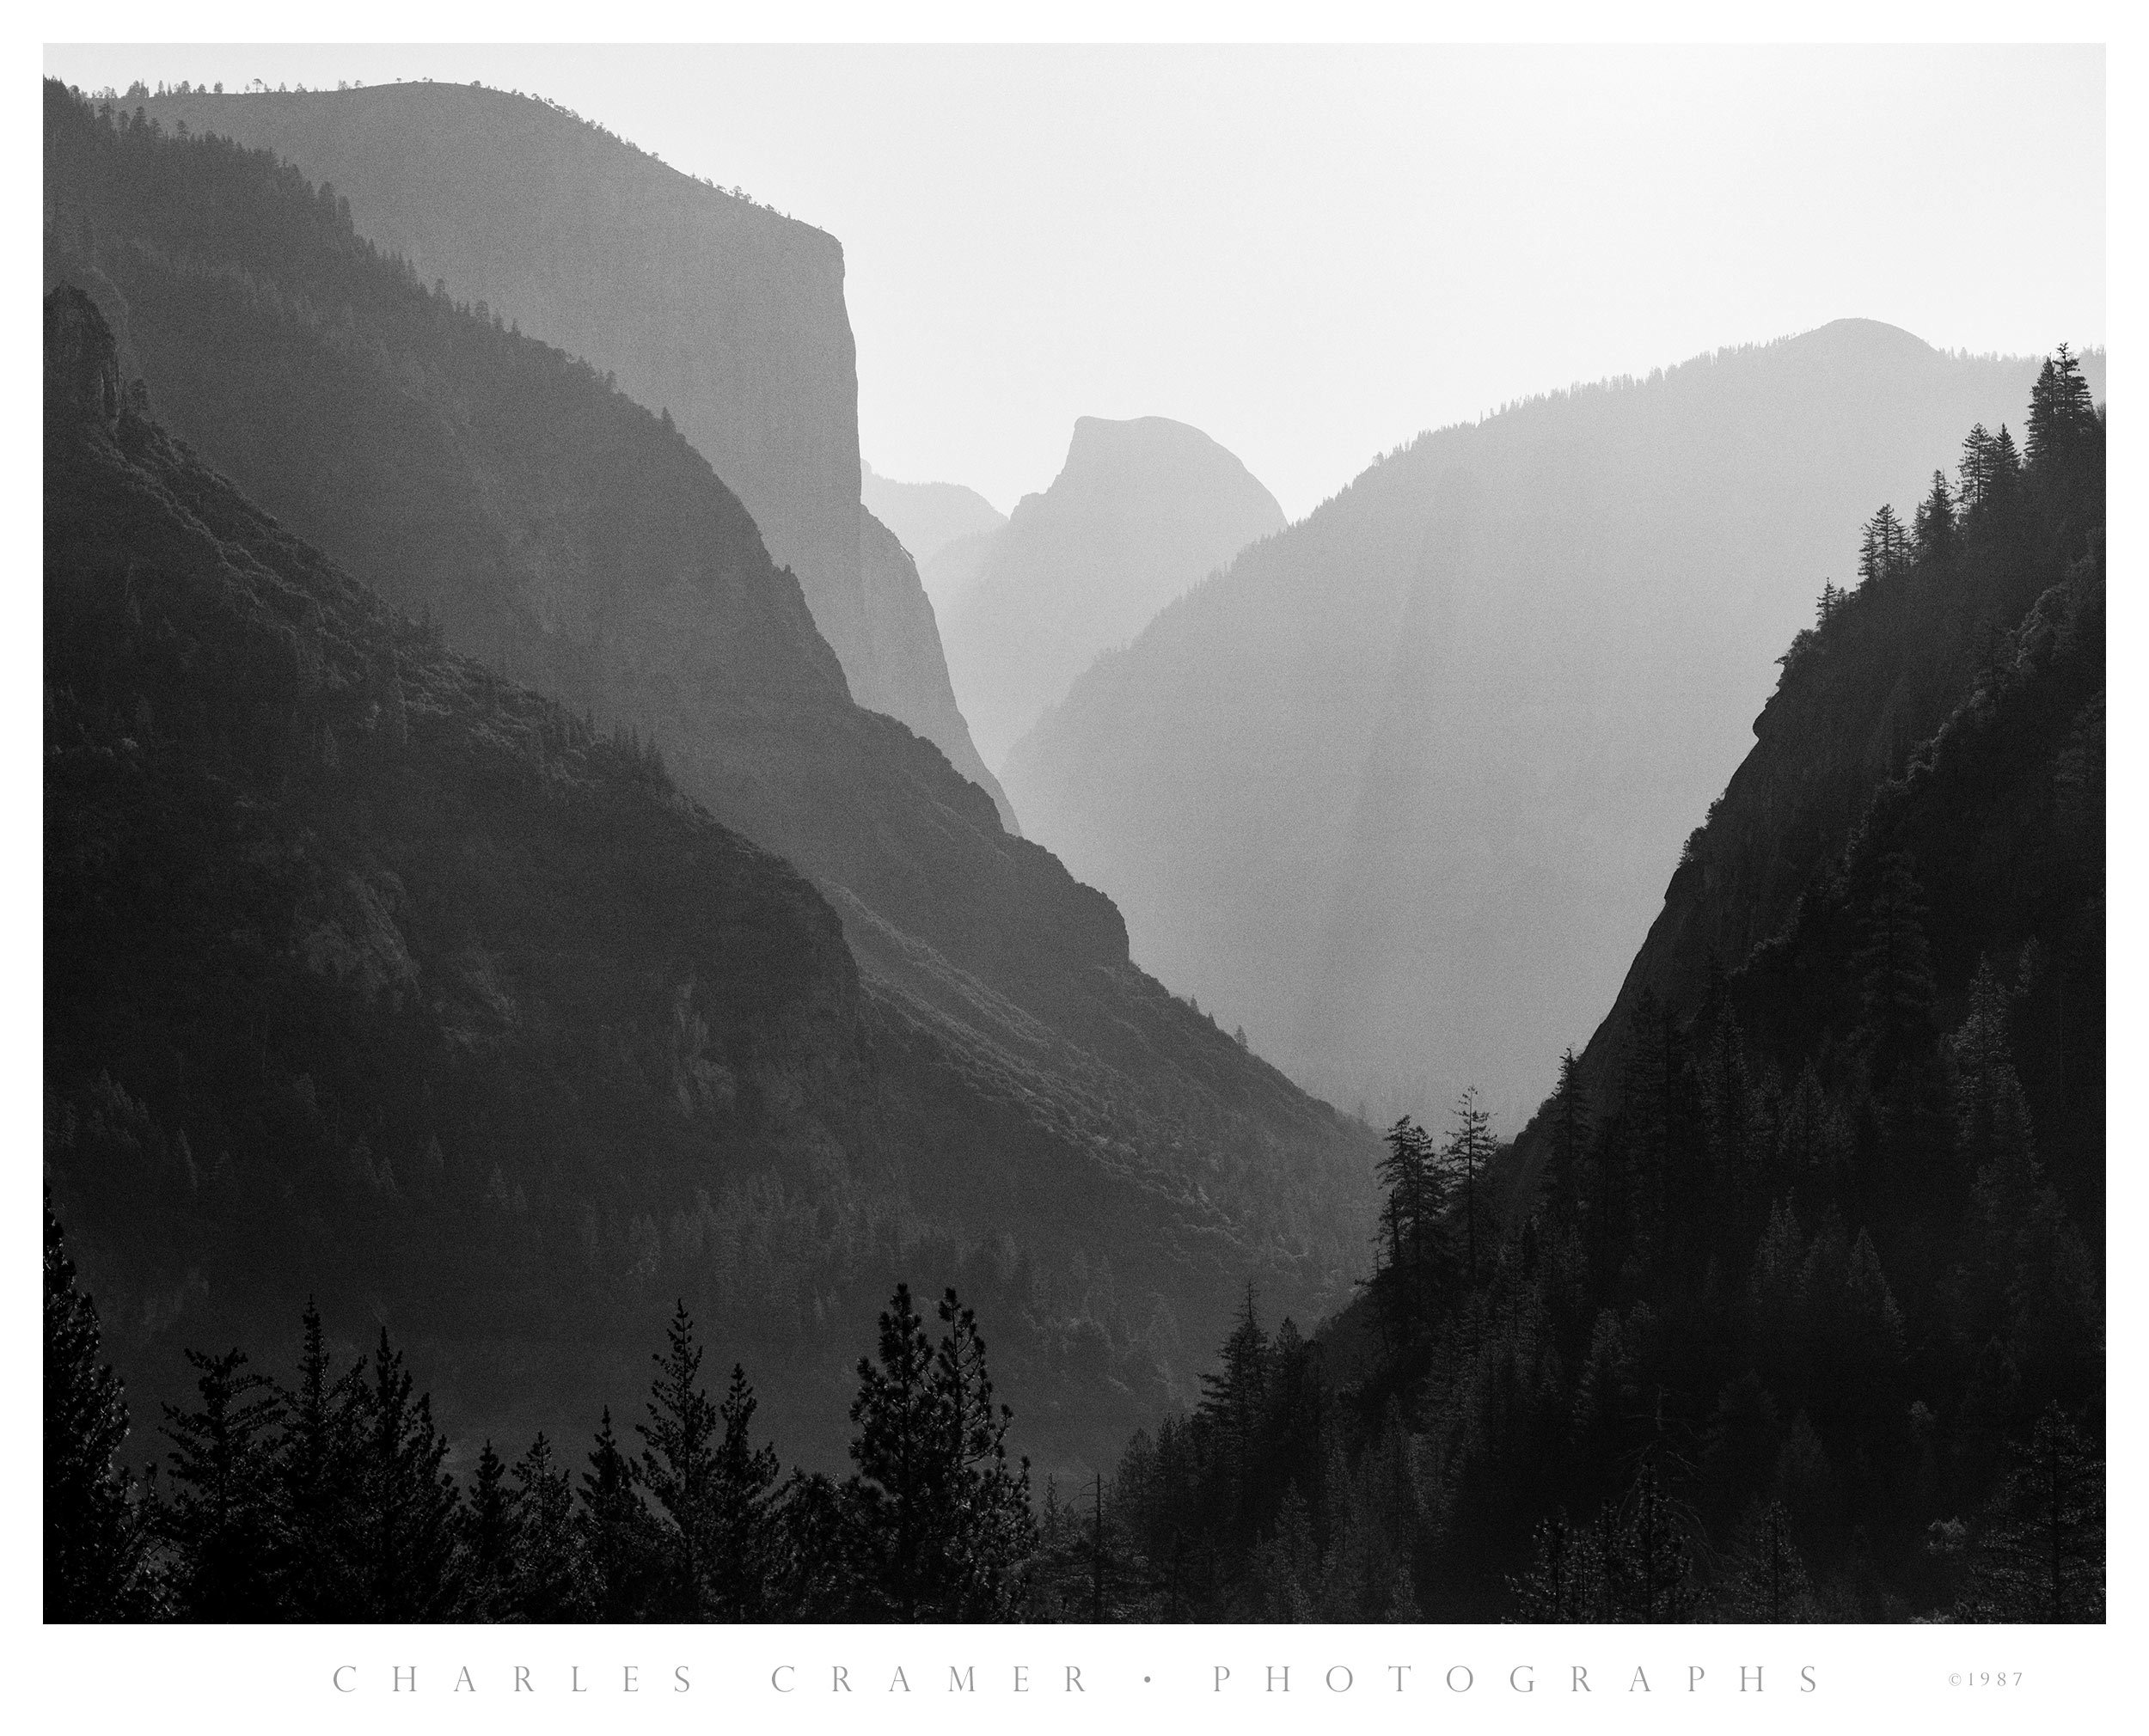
(910, 675)
(1140, 510)
(719, 312)
(81, 372)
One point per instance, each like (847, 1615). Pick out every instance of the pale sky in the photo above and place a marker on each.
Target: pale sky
(1311, 253)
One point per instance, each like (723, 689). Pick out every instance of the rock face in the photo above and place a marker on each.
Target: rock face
(950, 573)
(928, 515)
(1011, 1104)
(717, 311)
(1400, 791)
(912, 674)
(1140, 510)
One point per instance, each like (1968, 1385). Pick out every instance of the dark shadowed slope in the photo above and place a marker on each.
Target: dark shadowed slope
(579, 546)
(1140, 510)
(928, 515)
(720, 312)
(1401, 790)
(1793, 1308)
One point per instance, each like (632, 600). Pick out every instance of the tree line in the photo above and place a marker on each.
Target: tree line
(326, 1497)
(1790, 1316)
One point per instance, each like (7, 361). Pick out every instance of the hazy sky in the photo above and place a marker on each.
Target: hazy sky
(1311, 253)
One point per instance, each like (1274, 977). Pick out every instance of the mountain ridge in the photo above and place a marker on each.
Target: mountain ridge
(1492, 677)
(1141, 508)
(709, 308)
(497, 489)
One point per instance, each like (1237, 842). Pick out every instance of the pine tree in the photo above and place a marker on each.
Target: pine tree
(2063, 420)
(1234, 1403)
(2041, 1557)
(739, 1508)
(1935, 521)
(1570, 1141)
(946, 1523)
(94, 1542)
(223, 1517)
(896, 1451)
(621, 1541)
(1565, 1581)
(406, 1502)
(1765, 1579)
(1416, 1189)
(490, 1539)
(1987, 473)
(1895, 967)
(316, 1473)
(991, 1523)
(1647, 1560)
(547, 1576)
(991, 1530)
(1992, 1116)
(1469, 1148)
(1884, 548)
(679, 1469)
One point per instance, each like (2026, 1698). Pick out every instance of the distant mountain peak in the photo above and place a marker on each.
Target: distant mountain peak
(1142, 508)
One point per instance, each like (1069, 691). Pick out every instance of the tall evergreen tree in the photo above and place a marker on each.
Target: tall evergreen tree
(946, 1522)
(895, 1450)
(317, 1477)
(1894, 969)
(94, 1542)
(1934, 526)
(991, 1530)
(490, 1541)
(548, 1580)
(1765, 1577)
(2041, 1557)
(406, 1502)
(679, 1469)
(740, 1511)
(1468, 1149)
(1883, 547)
(1570, 1142)
(621, 1541)
(223, 1517)
(2063, 420)
(1233, 1401)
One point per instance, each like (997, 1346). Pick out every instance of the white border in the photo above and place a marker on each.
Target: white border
(246, 1679)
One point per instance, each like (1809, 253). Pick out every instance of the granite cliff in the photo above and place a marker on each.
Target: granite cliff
(1399, 791)
(1032, 1112)
(1140, 510)
(701, 304)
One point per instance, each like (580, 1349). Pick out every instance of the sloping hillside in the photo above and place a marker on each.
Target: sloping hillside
(1791, 1306)
(1400, 791)
(491, 484)
(719, 312)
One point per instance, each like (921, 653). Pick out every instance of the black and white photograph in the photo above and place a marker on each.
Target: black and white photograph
(848, 837)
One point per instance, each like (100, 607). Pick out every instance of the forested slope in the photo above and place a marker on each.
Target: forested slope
(498, 492)
(707, 306)
(1789, 1306)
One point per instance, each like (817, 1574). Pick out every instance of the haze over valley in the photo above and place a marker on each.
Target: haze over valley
(1495, 1012)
